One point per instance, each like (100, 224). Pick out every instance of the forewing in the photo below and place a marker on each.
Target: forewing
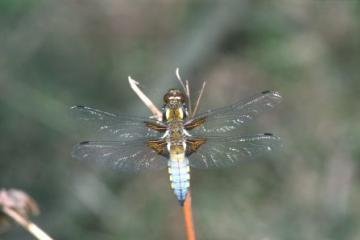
(230, 151)
(223, 120)
(116, 127)
(129, 156)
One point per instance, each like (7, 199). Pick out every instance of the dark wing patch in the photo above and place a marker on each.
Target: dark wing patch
(193, 123)
(158, 145)
(155, 126)
(193, 144)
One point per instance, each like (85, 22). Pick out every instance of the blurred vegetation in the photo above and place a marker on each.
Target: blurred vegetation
(55, 54)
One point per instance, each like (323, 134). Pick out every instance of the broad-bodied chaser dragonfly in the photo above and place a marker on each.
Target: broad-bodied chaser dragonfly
(207, 140)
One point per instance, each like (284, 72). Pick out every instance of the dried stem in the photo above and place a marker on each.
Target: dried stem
(186, 88)
(180, 80)
(27, 224)
(135, 87)
(189, 224)
(198, 99)
(188, 95)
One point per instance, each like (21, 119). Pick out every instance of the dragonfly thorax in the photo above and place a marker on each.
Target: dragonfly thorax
(174, 114)
(175, 134)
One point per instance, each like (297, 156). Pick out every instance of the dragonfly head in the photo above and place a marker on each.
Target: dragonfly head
(175, 107)
(174, 96)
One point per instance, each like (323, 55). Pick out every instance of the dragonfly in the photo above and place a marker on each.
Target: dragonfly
(179, 140)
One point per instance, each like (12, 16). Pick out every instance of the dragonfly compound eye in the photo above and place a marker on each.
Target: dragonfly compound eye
(174, 95)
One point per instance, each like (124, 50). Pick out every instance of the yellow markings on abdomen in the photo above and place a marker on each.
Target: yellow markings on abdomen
(177, 152)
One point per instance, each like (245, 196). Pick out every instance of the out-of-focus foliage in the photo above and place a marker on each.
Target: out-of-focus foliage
(55, 54)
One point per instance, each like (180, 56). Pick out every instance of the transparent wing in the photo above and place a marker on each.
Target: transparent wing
(129, 156)
(117, 127)
(223, 120)
(230, 151)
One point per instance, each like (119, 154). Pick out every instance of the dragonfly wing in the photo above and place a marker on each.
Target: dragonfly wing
(118, 127)
(223, 120)
(129, 156)
(230, 151)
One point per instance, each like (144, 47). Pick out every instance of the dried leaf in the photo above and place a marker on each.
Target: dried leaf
(20, 202)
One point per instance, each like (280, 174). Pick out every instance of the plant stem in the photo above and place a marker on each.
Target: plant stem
(134, 86)
(198, 99)
(189, 223)
(25, 223)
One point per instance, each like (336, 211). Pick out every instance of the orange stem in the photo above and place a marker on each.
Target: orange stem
(189, 223)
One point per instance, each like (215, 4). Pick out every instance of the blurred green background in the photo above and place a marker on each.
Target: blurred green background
(55, 54)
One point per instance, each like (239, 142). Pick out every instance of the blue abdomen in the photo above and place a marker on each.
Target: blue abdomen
(179, 172)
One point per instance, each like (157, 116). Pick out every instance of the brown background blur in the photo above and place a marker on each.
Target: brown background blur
(55, 54)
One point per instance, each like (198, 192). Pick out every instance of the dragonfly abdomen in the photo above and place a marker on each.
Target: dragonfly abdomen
(179, 172)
